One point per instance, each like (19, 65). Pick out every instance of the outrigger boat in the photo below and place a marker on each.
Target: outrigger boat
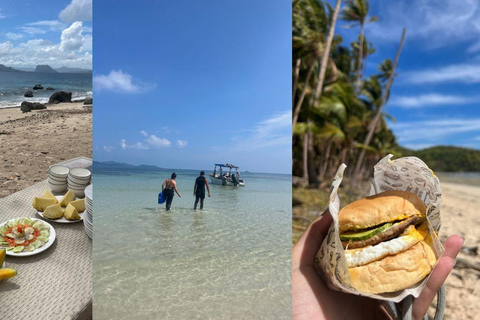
(226, 177)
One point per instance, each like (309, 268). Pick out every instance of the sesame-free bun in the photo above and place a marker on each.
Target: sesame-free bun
(395, 272)
(380, 208)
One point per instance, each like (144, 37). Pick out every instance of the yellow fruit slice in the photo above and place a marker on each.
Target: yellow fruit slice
(71, 213)
(49, 194)
(53, 212)
(41, 203)
(6, 273)
(79, 205)
(3, 252)
(69, 196)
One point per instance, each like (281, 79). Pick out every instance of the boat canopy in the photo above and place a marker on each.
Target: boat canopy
(227, 165)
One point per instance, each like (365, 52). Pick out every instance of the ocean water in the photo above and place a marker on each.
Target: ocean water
(468, 178)
(231, 260)
(13, 86)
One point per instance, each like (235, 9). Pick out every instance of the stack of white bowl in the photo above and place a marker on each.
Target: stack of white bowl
(57, 178)
(88, 218)
(78, 180)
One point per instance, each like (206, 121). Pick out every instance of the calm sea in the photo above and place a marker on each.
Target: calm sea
(13, 86)
(469, 178)
(230, 261)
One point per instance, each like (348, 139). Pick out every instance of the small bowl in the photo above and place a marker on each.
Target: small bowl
(79, 193)
(72, 179)
(80, 173)
(76, 186)
(58, 171)
(57, 188)
(57, 179)
(57, 183)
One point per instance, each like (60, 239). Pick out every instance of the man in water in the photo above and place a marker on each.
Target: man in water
(199, 190)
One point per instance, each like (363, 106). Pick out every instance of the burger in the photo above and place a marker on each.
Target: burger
(384, 240)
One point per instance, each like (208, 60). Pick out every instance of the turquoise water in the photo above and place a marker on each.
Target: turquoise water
(13, 86)
(230, 261)
(468, 178)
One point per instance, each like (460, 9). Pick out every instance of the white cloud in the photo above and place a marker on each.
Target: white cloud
(434, 132)
(144, 133)
(72, 38)
(274, 131)
(138, 145)
(181, 143)
(13, 36)
(441, 22)
(432, 99)
(41, 27)
(458, 73)
(77, 10)
(157, 142)
(119, 81)
(109, 148)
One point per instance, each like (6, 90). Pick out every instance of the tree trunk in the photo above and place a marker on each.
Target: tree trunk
(296, 111)
(312, 175)
(305, 155)
(295, 79)
(374, 123)
(323, 170)
(360, 57)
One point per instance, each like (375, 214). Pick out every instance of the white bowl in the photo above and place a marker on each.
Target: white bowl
(58, 171)
(57, 183)
(80, 173)
(79, 182)
(57, 180)
(57, 188)
(79, 193)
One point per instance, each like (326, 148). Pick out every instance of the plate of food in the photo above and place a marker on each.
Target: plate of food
(26, 236)
(60, 209)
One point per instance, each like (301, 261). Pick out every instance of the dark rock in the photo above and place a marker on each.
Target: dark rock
(60, 96)
(50, 88)
(28, 94)
(88, 100)
(38, 87)
(44, 68)
(29, 106)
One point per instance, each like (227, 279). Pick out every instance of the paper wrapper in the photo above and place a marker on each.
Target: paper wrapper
(406, 174)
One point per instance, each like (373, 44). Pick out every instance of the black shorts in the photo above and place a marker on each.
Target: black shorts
(200, 194)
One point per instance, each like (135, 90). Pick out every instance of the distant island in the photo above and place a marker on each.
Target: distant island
(113, 166)
(446, 158)
(45, 68)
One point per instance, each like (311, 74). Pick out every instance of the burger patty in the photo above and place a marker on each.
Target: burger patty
(386, 234)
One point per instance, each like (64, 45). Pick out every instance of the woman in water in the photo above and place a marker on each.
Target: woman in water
(168, 187)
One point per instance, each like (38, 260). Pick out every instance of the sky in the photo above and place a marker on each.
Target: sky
(187, 84)
(435, 98)
(58, 34)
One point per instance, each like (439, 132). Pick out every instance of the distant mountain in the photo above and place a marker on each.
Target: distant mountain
(446, 158)
(72, 70)
(113, 166)
(8, 69)
(44, 68)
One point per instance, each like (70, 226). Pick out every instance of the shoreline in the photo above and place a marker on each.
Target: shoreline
(33, 141)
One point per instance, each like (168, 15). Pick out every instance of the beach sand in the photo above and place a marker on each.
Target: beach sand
(31, 142)
(461, 215)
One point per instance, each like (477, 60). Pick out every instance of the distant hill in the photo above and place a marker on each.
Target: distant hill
(72, 70)
(113, 166)
(446, 158)
(8, 69)
(44, 68)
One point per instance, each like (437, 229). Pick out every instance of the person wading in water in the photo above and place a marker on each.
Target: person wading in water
(168, 188)
(199, 189)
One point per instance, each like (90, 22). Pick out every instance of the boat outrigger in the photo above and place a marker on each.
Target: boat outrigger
(225, 177)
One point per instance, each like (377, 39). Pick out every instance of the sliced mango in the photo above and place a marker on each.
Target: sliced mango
(41, 203)
(69, 196)
(53, 212)
(6, 273)
(79, 205)
(71, 213)
(3, 252)
(49, 194)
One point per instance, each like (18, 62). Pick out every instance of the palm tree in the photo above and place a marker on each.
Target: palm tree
(356, 12)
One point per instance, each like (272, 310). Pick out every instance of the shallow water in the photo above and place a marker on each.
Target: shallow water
(230, 261)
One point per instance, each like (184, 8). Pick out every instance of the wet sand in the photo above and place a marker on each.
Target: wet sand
(31, 142)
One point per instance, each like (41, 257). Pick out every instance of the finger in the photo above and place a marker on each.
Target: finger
(445, 265)
(306, 248)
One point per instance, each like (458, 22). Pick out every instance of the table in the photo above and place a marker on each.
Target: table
(54, 284)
